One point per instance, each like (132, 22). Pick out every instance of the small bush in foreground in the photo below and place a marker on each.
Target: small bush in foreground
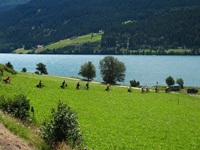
(18, 107)
(62, 127)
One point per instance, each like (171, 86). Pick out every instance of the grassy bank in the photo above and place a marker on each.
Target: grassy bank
(93, 37)
(116, 119)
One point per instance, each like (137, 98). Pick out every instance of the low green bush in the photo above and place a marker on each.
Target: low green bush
(18, 107)
(7, 69)
(134, 83)
(62, 127)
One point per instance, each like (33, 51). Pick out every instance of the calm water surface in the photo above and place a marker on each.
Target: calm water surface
(146, 69)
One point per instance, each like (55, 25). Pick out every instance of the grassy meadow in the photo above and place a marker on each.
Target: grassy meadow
(93, 37)
(116, 119)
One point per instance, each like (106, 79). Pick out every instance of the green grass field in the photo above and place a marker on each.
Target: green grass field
(116, 119)
(93, 37)
(78, 40)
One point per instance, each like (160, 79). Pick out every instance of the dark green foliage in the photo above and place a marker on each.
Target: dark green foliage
(62, 126)
(19, 106)
(37, 72)
(170, 81)
(42, 68)
(155, 24)
(1, 73)
(24, 69)
(9, 65)
(88, 70)
(112, 70)
(180, 82)
(134, 83)
(12, 71)
(7, 69)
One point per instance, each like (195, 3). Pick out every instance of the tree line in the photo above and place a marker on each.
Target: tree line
(112, 70)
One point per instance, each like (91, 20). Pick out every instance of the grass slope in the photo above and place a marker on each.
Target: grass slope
(116, 119)
(93, 37)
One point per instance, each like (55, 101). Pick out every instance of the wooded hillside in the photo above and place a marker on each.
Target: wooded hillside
(128, 24)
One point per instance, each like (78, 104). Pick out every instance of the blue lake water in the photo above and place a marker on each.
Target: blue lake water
(148, 70)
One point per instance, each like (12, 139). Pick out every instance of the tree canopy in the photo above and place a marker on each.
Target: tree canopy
(88, 70)
(41, 68)
(170, 80)
(112, 70)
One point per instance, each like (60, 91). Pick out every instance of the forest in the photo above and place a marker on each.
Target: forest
(130, 26)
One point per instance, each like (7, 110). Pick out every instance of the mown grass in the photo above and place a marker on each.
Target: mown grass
(116, 119)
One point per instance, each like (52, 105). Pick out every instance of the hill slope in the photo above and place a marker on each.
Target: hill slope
(44, 22)
(9, 141)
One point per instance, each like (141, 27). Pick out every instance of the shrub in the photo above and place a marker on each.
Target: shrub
(134, 83)
(1, 73)
(7, 69)
(62, 127)
(18, 107)
(9, 65)
(10, 70)
(37, 72)
(24, 70)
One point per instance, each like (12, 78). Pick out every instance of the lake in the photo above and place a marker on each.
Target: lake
(148, 70)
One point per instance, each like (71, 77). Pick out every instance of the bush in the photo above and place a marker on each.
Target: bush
(10, 70)
(9, 65)
(18, 107)
(37, 72)
(24, 70)
(62, 127)
(7, 69)
(134, 83)
(1, 73)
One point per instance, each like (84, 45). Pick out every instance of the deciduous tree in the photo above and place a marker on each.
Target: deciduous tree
(170, 81)
(180, 82)
(42, 68)
(112, 70)
(88, 70)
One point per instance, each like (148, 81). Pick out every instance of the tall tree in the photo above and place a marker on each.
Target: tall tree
(112, 70)
(170, 81)
(180, 82)
(42, 68)
(88, 70)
